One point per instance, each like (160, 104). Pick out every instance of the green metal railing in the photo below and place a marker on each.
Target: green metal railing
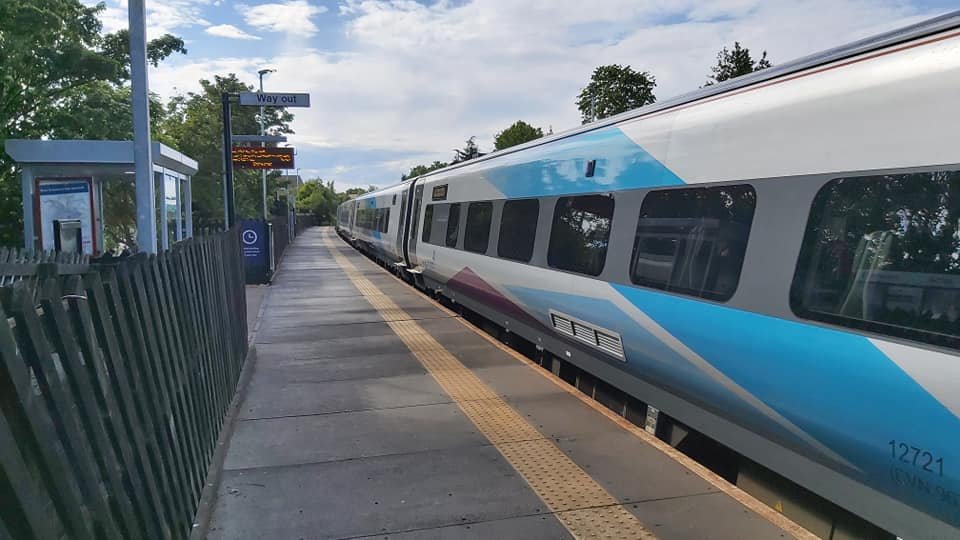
(115, 376)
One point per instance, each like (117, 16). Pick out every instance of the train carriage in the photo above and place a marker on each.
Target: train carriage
(774, 261)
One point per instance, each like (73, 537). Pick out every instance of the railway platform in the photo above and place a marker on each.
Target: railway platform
(372, 411)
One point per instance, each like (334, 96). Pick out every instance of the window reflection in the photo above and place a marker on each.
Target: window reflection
(477, 233)
(518, 229)
(883, 253)
(453, 225)
(580, 234)
(693, 241)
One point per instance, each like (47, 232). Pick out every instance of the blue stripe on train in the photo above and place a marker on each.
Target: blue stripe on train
(834, 385)
(559, 168)
(650, 359)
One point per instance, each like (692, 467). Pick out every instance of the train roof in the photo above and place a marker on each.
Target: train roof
(881, 41)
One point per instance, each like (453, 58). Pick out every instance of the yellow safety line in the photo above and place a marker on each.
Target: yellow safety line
(582, 505)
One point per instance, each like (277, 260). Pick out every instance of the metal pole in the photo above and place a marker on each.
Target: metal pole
(178, 191)
(143, 161)
(263, 173)
(228, 202)
(188, 201)
(164, 218)
(30, 227)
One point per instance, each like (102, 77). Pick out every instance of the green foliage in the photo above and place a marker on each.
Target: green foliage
(734, 63)
(60, 79)
(614, 89)
(353, 192)
(193, 126)
(519, 133)
(470, 150)
(117, 46)
(421, 170)
(322, 200)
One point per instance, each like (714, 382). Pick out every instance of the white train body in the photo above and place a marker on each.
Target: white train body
(844, 398)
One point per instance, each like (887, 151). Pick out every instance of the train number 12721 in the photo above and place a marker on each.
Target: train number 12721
(918, 457)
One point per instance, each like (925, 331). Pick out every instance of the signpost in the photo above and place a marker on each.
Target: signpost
(255, 242)
(252, 99)
(274, 99)
(258, 157)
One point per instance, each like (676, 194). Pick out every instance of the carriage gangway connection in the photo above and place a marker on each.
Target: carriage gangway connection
(372, 411)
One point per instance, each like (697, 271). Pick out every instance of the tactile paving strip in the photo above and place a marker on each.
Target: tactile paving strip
(582, 505)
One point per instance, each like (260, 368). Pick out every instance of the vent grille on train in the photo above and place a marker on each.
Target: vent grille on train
(599, 338)
(562, 325)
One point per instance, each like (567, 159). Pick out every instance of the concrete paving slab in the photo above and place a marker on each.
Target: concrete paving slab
(371, 496)
(271, 399)
(283, 369)
(333, 347)
(713, 516)
(536, 527)
(631, 470)
(352, 435)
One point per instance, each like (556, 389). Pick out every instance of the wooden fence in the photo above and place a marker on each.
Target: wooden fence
(115, 376)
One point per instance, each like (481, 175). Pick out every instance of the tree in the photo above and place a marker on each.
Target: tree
(614, 89)
(320, 199)
(117, 46)
(54, 62)
(470, 150)
(421, 170)
(519, 133)
(102, 111)
(734, 63)
(354, 192)
(193, 126)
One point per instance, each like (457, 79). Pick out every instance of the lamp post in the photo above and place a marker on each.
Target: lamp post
(263, 173)
(292, 205)
(142, 158)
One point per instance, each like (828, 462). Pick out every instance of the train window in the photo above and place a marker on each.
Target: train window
(385, 220)
(580, 234)
(518, 229)
(692, 241)
(427, 223)
(477, 233)
(882, 253)
(453, 225)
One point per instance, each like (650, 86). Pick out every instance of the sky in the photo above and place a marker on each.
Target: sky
(395, 83)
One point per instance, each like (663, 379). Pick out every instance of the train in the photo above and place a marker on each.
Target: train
(774, 261)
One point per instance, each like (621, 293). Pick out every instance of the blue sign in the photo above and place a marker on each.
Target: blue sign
(254, 241)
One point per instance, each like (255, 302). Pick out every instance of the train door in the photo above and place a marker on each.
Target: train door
(414, 225)
(401, 222)
(353, 217)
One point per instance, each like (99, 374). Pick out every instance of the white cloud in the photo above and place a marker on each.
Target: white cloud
(163, 16)
(229, 31)
(417, 80)
(291, 16)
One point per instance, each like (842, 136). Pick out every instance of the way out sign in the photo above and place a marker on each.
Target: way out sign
(274, 99)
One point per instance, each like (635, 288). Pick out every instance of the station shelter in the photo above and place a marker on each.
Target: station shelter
(62, 182)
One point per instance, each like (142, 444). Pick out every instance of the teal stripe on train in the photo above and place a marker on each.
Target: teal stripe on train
(559, 168)
(834, 385)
